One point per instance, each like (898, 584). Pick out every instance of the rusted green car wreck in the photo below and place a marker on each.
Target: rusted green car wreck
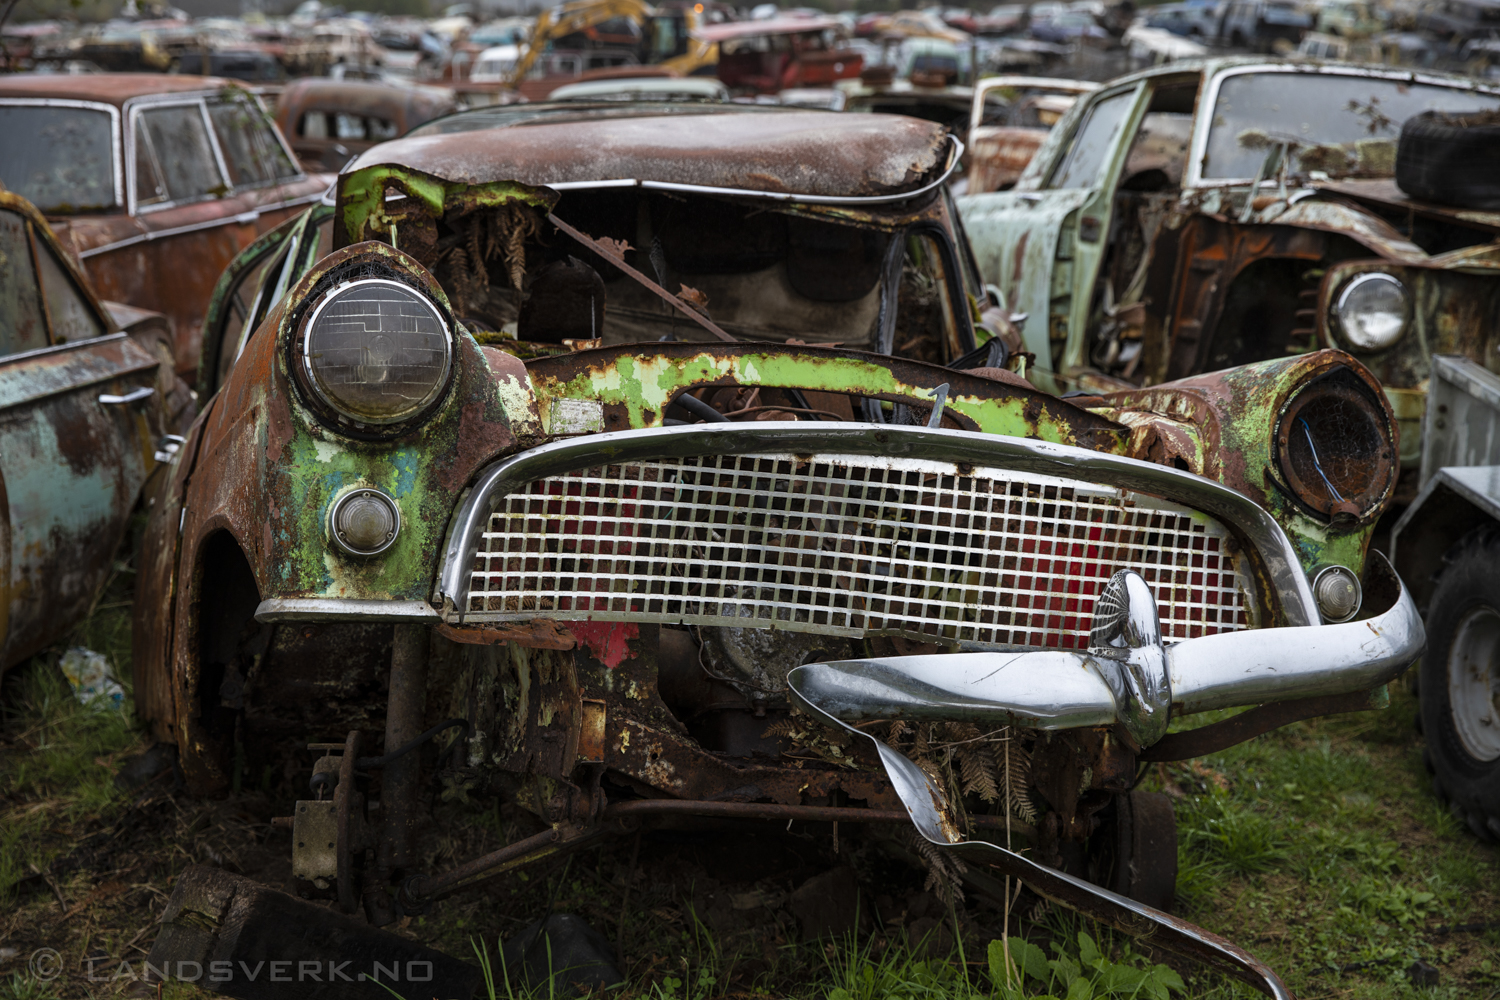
(602, 438)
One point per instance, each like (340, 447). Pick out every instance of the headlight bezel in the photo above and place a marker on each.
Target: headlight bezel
(1298, 466)
(1341, 302)
(328, 289)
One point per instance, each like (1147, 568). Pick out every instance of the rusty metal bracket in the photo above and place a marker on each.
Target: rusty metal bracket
(1262, 719)
(343, 799)
(624, 817)
(615, 258)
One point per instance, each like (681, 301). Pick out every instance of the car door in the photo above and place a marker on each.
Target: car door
(253, 283)
(206, 176)
(75, 440)
(1041, 244)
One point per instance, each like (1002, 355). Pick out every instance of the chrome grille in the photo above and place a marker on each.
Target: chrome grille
(850, 545)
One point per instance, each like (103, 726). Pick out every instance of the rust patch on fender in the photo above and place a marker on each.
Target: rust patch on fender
(539, 633)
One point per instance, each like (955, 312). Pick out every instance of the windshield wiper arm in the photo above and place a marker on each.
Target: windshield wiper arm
(618, 260)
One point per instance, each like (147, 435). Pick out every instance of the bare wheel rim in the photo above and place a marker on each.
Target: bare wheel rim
(1474, 683)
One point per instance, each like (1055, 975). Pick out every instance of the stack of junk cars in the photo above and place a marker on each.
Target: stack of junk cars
(503, 464)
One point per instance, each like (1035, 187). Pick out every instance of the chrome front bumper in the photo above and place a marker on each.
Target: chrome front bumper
(1127, 675)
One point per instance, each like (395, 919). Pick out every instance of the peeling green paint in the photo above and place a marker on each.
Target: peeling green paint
(645, 384)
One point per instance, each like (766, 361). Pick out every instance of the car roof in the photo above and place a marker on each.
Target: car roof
(780, 151)
(418, 101)
(644, 87)
(1216, 65)
(106, 88)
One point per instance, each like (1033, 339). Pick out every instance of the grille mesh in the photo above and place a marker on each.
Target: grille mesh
(850, 545)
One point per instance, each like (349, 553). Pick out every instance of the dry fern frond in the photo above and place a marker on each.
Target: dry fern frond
(1018, 784)
(944, 870)
(977, 767)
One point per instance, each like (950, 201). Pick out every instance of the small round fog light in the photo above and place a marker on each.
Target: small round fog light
(1336, 589)
(364, 522)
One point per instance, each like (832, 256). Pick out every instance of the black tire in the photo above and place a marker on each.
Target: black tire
(1463, 621)
(1450, 158)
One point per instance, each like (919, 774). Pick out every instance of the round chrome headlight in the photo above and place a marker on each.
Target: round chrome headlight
(377, 351)
(1373, 311)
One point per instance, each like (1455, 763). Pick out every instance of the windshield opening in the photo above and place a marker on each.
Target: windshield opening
(1321, 114)
(58, 158)
(761, 272)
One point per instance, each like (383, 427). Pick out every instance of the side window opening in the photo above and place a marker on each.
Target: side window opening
(183, 167)
(23, 326)
(1124, 331)
(926, 327)
(348, 126)
(314, 125)
(72, 318)
(1091, 144)
(251, 149)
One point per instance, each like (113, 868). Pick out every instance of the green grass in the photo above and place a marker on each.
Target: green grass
(1319, 848)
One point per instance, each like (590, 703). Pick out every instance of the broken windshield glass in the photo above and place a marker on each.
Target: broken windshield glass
(1316, 109)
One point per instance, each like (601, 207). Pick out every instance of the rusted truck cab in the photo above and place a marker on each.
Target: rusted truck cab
(153, 182)
(615, 457)
(1210, 214)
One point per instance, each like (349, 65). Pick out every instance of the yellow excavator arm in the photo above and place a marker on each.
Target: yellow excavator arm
(575, 15)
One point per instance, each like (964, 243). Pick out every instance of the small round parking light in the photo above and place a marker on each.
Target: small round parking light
(364, 522)
(1336, 589)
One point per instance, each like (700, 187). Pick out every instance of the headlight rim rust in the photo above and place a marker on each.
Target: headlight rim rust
(1312, 488)
(1338, 301)
(358, 265)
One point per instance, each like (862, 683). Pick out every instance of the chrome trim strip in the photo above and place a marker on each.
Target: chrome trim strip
(331, 609)
(1210, 98)
(114, 131)
(955, 154)
(805, 437)
(161, 234)
(71, 345)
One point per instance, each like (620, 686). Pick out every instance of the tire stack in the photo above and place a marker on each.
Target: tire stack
(1450, 159)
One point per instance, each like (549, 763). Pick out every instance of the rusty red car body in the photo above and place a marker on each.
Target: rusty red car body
(151, 228)
(328, 122)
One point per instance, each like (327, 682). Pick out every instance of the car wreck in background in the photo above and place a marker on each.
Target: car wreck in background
(734, 475)
(81, 417)
(1200, 216)
(1000, 145)
(329, 122)
(152, 182)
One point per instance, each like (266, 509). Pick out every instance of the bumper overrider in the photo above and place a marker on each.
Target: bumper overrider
(1189, 596)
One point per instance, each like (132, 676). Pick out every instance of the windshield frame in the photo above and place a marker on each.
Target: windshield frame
(1209, 100)
(116, 151)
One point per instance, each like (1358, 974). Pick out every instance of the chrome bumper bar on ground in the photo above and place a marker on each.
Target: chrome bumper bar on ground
(1128, 675)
